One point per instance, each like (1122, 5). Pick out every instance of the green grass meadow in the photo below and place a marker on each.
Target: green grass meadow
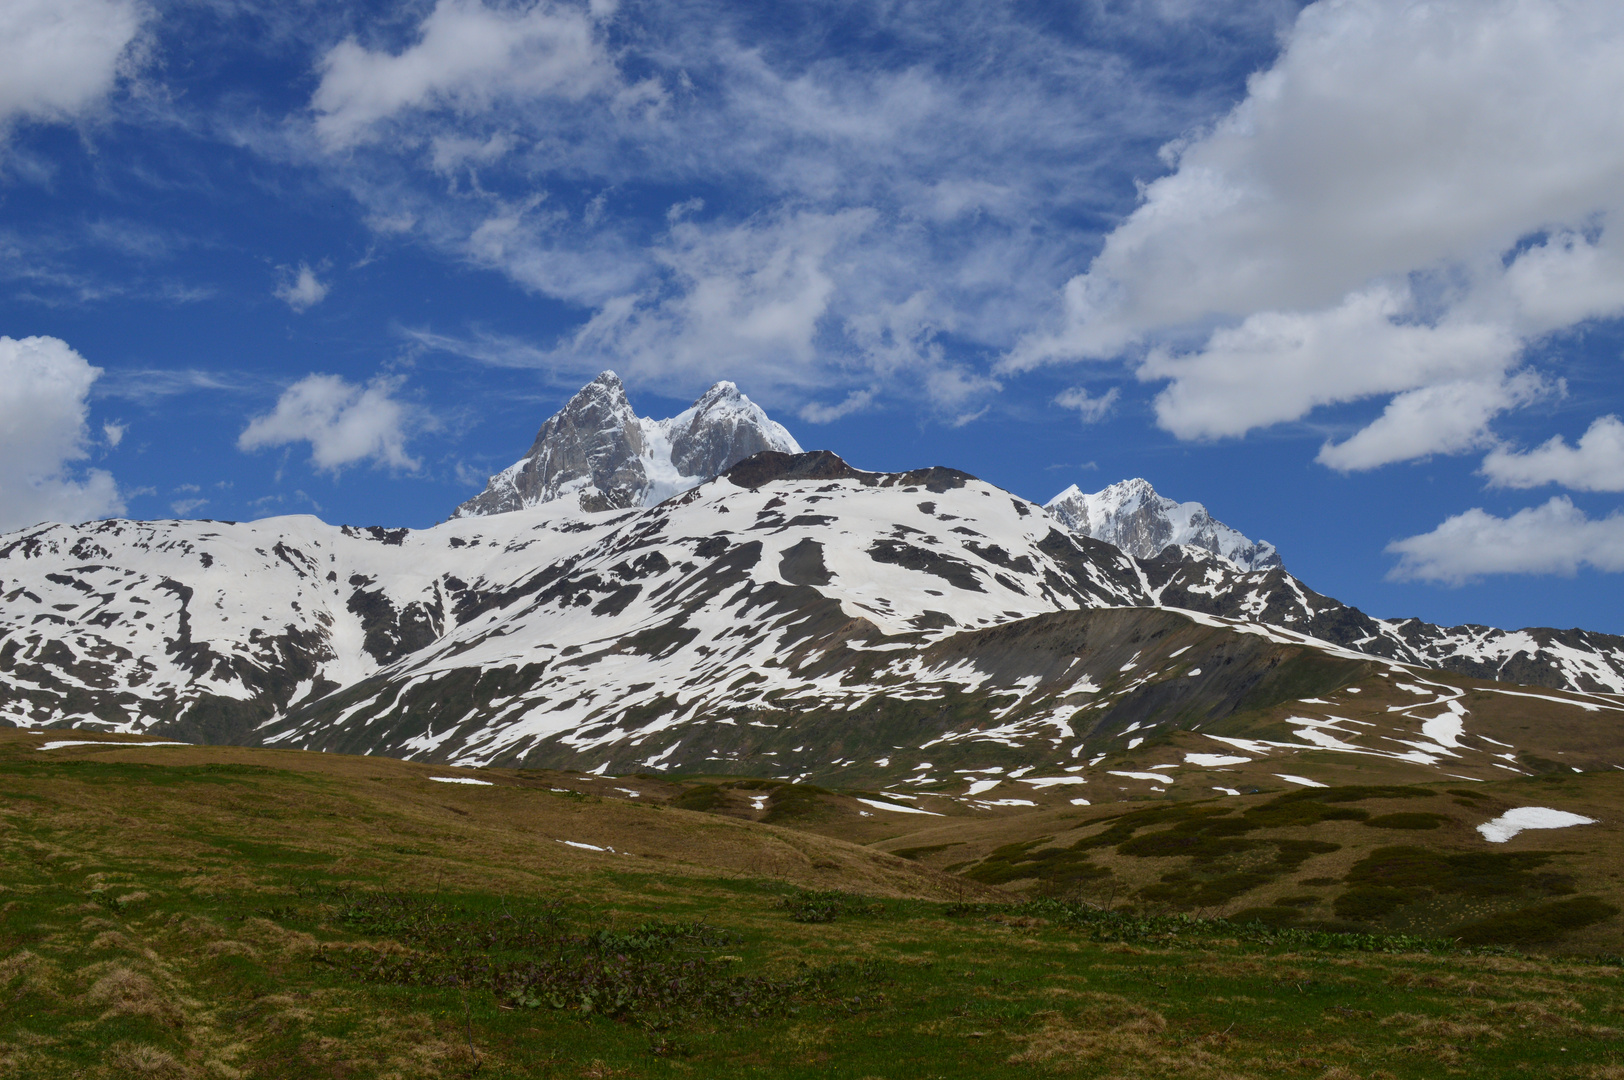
(232, 920)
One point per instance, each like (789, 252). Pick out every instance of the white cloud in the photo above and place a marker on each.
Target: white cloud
(1596, 464)
(970, 170)
(749, 298)
(1556, 538)
(468, 55)
(60, 58)
(1443, 419)
(302, 290)
(343, 422)
(854, 402)
(114, 432)
(447, 153)
(1090, 409)
(44, 385)
(1406, 199)
(1277, 366)
(152, 385)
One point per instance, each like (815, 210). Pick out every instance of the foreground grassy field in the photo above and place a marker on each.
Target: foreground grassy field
(214, 912)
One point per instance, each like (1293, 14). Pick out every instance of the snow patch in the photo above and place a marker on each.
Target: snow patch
(1512, 822)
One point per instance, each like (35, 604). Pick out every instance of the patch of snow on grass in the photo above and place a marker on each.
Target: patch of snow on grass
(98, 742)
(1512, 822)
(898, 809)
(1303, 780)
(466, 780)
(1211, 760)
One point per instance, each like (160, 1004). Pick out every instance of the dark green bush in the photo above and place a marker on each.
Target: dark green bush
(1409, 820)
(698, 797)
(1268, 916)
(826, 905)
(1280, 814)
(1539, 922)
(1019, 862)
(1370, 902)
(1291, 854)
(1469, 873)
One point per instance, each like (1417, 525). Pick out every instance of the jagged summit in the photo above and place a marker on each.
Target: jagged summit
(1132, 516)
(599, 454)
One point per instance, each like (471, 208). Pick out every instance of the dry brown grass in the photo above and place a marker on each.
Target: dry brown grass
(393, 817)
(136, 1060)
(123, 991)
(1129, 1038)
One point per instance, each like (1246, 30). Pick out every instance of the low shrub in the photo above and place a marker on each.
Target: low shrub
(1370, 902)
(826, 905)
(1407, 821)
(1538, 922)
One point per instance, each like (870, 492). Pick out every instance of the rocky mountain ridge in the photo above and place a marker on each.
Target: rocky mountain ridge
(1131, 515)
(597, 454)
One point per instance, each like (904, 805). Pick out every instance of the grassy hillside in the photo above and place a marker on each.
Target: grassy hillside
(218, 912)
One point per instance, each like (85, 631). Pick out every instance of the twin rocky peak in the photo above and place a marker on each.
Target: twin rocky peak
(597, 454)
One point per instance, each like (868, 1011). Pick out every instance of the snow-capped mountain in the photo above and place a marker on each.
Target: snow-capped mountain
(632, 594)
(597, 454)
(1132, 516)
(793, 616)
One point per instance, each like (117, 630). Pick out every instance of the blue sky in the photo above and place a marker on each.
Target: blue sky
(1349, 273)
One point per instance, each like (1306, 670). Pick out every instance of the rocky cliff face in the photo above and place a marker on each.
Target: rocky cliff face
(1132, 516)
(597, 454)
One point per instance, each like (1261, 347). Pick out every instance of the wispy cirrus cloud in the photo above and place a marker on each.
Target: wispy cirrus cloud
(911, 207)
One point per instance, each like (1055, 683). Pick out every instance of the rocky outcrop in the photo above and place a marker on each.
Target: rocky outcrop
(1132, 516)
(597, 454)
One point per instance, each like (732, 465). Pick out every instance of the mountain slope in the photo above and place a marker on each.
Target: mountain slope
(597, 454)
(793, 617)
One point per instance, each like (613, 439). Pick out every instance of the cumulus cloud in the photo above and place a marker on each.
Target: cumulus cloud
(302, 290)
(1090, 409)
(44, 385)
(60, 58)
(343, 422)
(1407, 198)
(1557, 538)
(467, 56)
(1596, 464)
(1443, 419)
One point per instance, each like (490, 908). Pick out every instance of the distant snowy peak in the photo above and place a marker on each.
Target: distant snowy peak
(1132, 516)
(598, 454)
